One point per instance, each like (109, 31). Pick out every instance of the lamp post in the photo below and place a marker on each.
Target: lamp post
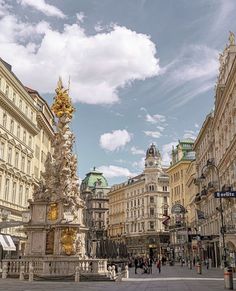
(210, 164)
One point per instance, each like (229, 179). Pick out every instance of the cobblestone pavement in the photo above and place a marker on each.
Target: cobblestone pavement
(174, 278)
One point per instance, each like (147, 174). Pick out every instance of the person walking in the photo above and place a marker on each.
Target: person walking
(136, 265)
(159, 265)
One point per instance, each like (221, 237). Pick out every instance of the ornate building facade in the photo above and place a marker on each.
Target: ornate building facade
(144, 210)
(20, 135)
(215, 151)
(94, 189)
(182, 156)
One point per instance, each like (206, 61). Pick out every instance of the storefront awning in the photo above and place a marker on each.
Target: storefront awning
(7, 242)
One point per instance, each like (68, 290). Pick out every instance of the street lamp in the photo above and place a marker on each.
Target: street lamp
(210, 164)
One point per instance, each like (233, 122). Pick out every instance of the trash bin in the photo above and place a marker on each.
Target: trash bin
(199, 268)
(228, 278)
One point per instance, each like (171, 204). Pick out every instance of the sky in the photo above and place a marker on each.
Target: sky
(140, 71)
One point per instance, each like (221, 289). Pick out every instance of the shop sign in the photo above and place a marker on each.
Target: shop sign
(227, 194)
(177, 209)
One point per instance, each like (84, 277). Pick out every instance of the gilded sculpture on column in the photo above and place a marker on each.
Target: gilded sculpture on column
(62, 103)
(53, 211)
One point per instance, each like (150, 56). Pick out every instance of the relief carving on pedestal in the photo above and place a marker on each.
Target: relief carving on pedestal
(68, 237)
(53, 211)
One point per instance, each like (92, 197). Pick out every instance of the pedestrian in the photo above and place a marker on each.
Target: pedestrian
(150, 266)
(194, 261)
(159, 265)
(207, 263)
(136, 265)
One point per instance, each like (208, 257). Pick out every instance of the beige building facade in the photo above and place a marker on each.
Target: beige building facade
(182, 157)
(216, 159)
(142, 217)
(20, 133)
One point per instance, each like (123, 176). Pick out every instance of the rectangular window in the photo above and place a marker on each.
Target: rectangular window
(24, 136)
(26, 196)
(26, 110)
(28, 167)
(23, 164)
(151, 199)
(2, 147)
(18, 131)
(4, 120)
(20, 194)
(30, 141)
(20, 104)
(12, 126)
(151, 225)
(7, 182)
(152, 211)
(7, 91)
(37, 152)
(14, 193)
(14, 97)
(99, 215)
(9, 155)
(31, 115)
(17, 160)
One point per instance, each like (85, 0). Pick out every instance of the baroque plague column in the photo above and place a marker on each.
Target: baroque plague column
(56, 224)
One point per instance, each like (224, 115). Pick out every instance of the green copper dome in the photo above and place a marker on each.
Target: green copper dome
(94, 179)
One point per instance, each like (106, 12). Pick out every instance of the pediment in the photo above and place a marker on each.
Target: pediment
(5, 136)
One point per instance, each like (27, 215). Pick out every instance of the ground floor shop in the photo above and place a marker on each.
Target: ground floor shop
(148, 245)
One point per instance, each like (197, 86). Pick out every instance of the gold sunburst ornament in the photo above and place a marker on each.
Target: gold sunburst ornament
(62, 105)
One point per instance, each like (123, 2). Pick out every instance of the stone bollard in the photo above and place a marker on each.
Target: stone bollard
(109, 272)
(113, 272)
(228, 278)
(31, 272)
(22, 273)
(4, 270)
(126, 271)
(77, 274)
(199, 268)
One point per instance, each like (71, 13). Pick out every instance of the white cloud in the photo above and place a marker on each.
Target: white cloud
(42, 6)
(115, 171)
(166, 152)
(161, 128)
(98, 65)
(190, 134)
(154, 134)
(156, 118)
(115, 140)
(136, 151)
(80, 16)
(139, 165)
(196, 125)
(191, 74)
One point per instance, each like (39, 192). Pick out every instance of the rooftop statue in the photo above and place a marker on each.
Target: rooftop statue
(62, 105)
(231, 38)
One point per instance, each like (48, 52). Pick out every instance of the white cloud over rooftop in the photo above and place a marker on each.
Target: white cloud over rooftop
(98, 65)
(115, 140)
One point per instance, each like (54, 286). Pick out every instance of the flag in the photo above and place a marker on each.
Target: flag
(200, 214)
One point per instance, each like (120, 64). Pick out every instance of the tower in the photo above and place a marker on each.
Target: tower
(153, 157)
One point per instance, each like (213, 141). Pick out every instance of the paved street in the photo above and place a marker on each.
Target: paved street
(171, 279)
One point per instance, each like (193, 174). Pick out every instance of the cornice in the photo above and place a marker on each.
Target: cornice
(45, 124)
(18, 86)
(13, 140)
(222, 100)
(6, 103)
(228, 154)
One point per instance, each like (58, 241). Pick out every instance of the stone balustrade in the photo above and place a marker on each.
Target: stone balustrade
(56, 266)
